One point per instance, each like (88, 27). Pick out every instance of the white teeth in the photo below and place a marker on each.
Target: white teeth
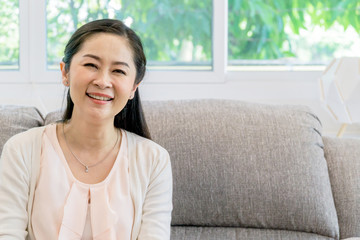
(99, 97)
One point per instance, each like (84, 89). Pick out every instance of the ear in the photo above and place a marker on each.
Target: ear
(134, 90)
(64, 75)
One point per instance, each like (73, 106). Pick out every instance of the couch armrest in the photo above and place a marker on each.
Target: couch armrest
(343, 157)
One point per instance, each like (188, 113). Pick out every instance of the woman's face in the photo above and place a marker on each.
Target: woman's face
(101, 77)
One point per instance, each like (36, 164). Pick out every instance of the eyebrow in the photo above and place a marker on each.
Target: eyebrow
(99, 59)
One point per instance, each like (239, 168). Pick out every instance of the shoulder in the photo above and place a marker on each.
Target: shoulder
(26, 138)
(147, 151)
(29, 134)
(19, 151)
(144, 144)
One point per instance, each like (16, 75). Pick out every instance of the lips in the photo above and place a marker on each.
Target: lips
(100, 96)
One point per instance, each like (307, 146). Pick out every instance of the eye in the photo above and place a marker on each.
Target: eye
(90, 65)
(120, 71)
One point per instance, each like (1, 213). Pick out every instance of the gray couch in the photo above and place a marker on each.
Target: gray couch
(244, 170)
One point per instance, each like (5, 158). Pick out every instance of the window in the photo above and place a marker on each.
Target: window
(171, 39)
(186, 41)
(9, 35)
(287, 33)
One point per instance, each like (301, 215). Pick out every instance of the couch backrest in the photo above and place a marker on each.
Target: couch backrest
(241, 164)
(16, 119)
(235, 164)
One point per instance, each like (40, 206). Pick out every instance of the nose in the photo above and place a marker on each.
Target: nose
(103, 81)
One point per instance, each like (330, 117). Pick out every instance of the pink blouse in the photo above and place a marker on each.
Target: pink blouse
(61, 207)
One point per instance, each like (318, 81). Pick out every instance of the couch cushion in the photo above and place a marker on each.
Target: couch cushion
(53, 117)
(216, 233)
(16, 119)
(343, 157)
(239, 164)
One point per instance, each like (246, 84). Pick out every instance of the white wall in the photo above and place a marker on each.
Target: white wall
(297, 89)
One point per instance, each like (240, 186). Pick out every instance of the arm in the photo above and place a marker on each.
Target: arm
(14, 190)
(157, 207)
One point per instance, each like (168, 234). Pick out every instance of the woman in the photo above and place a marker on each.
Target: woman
(96, 174)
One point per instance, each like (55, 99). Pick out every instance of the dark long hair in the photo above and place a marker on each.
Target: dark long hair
(131, 117)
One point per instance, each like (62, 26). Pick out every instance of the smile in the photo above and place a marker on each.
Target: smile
(97, 97)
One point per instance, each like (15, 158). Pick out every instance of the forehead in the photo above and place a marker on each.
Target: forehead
(107, 44)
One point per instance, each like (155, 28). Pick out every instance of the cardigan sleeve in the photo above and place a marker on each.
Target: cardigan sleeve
(14, 190)
(157, 206)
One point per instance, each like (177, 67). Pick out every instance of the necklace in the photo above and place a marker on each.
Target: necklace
(93, 165)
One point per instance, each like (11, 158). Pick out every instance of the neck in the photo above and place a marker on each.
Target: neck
(90, 135)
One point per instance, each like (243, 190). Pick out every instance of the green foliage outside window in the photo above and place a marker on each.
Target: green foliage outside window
(172, 31)
(9, 34)
(273, 29)
(179, 32)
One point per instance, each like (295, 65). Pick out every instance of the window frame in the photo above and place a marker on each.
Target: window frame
(20, 75)
(33, 65)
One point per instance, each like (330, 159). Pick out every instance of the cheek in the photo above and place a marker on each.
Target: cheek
(124, 89)
(76, 84)
(81, 77)
(126, 82)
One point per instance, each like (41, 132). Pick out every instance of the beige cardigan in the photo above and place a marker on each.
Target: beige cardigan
(150, 186)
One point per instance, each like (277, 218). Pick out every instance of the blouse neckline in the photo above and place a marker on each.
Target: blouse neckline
(121, 153)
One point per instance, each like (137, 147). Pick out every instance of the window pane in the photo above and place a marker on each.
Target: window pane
(175, 33)
(9, 34)
(283, 32)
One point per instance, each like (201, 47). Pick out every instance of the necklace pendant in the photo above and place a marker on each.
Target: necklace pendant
(86, 169)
